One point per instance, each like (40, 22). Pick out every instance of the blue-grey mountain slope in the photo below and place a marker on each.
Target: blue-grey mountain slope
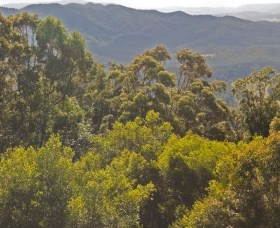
(115, 33)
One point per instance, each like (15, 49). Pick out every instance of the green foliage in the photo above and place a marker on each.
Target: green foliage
(144, 136)
(35, 186)
(274, 125)
(245, 193)
(186, 166)
(258, 96)
(43, 69)
(136, 143)
(107, 198)
(45, 188)
(202, 112)
(159, 53)
(192, 66)
(132, 91)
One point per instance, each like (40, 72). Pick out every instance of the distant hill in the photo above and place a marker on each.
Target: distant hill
(255, 12)
(8, 11)
(258, 8)
(24, 4)
(116, 33)
(265, 8)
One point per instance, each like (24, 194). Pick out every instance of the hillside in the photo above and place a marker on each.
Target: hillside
(8, 11)
(117, 33)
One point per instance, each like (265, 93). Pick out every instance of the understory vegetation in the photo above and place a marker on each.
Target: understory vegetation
(90, 145)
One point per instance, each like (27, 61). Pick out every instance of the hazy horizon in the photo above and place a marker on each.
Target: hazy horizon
(158, 4)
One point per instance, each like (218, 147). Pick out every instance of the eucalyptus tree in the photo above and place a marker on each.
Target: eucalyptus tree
(192, 65)
(42, 69)
(258, 98)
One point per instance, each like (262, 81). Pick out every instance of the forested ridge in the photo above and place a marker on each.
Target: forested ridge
(90, 145)
(233, 47)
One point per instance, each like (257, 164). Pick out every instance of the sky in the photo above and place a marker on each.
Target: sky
(163, 3)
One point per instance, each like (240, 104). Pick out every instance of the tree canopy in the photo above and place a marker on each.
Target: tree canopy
(137, 145)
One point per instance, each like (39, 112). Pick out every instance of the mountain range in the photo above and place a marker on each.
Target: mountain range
(24, 4)
(254, 12)
(233, 46)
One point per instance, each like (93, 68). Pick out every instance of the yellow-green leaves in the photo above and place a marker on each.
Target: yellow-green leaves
(35, 185)
(51, 34)
(258, 99)
(144, 136)
(45, 188)
(245, 191)
(192, 66)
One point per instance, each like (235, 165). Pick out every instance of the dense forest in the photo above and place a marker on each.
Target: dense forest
(89, 145)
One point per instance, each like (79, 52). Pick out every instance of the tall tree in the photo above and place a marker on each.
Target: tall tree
(192, 65)
(43, 68)
(258, 98)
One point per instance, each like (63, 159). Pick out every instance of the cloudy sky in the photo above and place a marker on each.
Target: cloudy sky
(163, 3)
